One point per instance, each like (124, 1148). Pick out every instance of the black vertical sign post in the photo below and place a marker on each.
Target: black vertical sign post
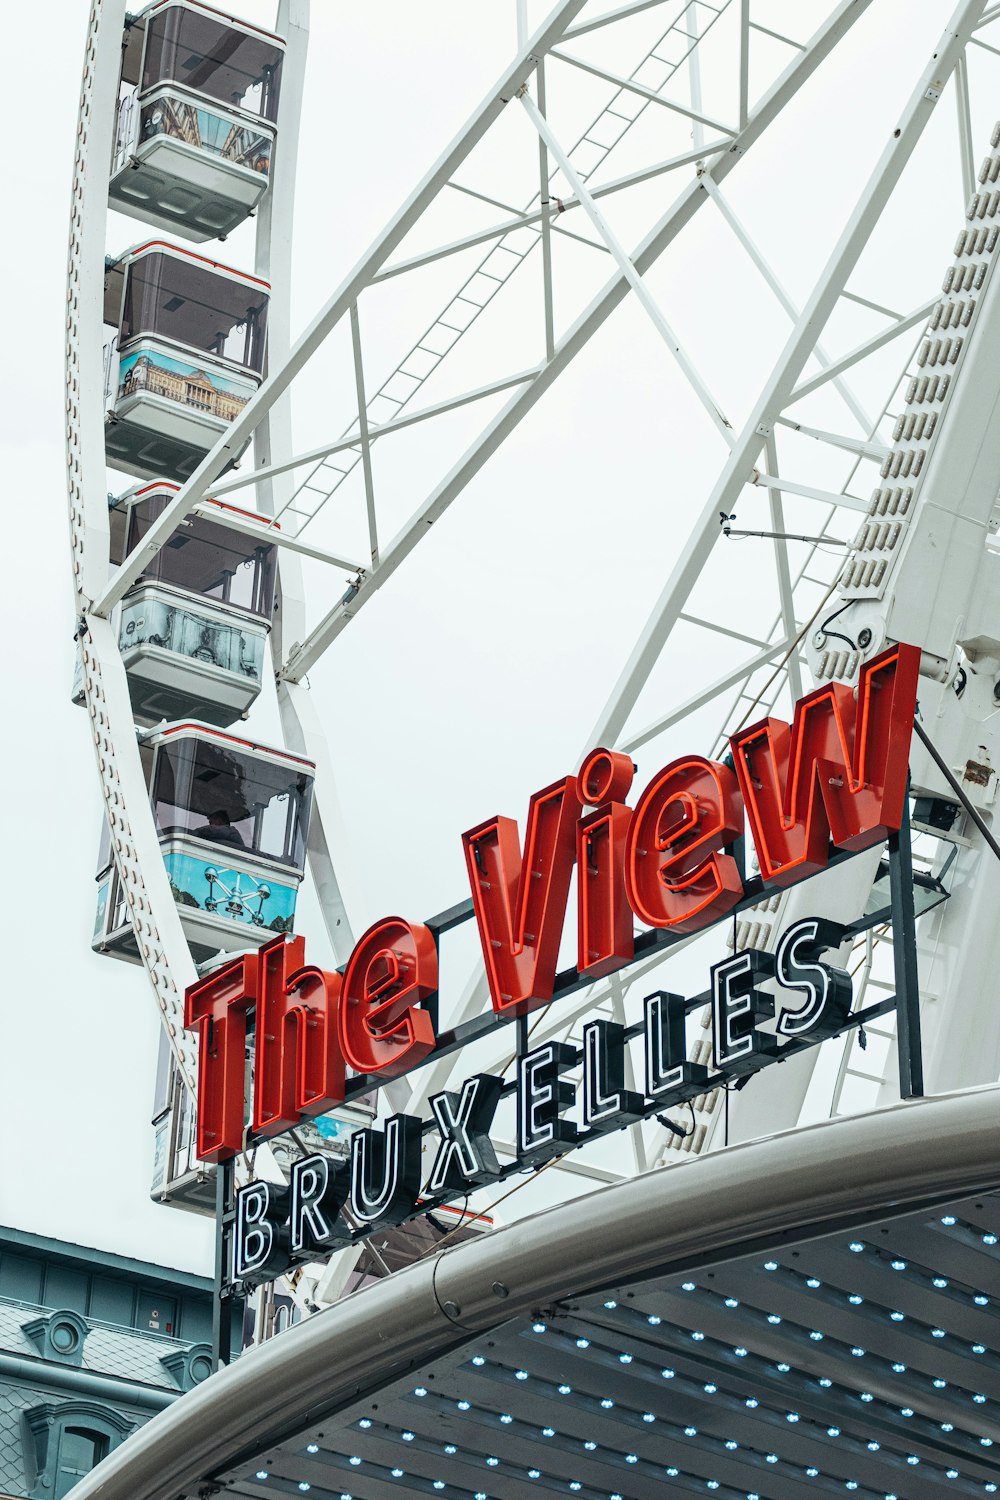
(904, 958)
(222, 1306)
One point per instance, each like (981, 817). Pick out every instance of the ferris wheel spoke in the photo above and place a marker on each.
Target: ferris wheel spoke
(630, 86)
(363, 433)
(782, 382)
(304, 658)
(809, 492)
(863, 447)
(785, 592)
(720, 629)
(232, 521)
(542, 215)
(965, 127)
(861, 351)
(802, 67)
(301, 728)
(757, 257)
(620, 13)
(548, 301)
(628, 269)
(346, 445)
(635, 740)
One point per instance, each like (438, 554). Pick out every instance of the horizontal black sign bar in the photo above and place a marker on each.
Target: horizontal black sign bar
(569, 981)
(657, 940)
(654, 1108)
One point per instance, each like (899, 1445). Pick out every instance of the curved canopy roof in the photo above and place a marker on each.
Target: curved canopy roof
(820, 1307)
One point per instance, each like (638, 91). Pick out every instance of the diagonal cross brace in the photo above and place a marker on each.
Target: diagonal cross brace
(626, 267)
(274, 387)
(590, 320)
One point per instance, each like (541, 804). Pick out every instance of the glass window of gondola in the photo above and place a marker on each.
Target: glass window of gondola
(207, 559)
(182, 298)
(199, 50)
(214, 791)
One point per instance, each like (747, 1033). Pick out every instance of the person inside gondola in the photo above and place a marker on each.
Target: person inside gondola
(220, 830)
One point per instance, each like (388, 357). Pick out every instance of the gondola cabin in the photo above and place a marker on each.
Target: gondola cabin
(193, 630)
(232, 819)
(195, 128)
(183, 1181)
(185, 353)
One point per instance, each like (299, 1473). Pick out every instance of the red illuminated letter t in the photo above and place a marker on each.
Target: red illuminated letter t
(217, 1008)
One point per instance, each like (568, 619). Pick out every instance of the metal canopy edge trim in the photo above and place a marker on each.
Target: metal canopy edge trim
(797, 1181)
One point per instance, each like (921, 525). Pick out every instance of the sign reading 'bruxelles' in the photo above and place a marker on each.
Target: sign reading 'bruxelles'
(837, 774)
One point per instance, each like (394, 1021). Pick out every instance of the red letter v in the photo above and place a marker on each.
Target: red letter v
(520, 903)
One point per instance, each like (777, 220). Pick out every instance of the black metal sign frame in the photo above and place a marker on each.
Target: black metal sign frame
(905, 1002)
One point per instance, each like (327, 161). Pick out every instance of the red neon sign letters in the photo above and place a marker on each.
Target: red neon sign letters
(392, 969)
(520, 901)
(838, 773)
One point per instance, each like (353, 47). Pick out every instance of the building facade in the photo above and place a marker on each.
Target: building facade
(92, 1345)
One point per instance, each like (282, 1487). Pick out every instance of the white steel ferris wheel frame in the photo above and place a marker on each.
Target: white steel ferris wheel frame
(752, 457)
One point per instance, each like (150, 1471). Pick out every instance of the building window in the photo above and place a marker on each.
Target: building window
(59, 1336)
(64, 1440)
(80, 1450)
(189, 1367)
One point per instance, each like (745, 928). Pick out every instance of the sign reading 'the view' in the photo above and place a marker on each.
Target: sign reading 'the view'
(836, 774)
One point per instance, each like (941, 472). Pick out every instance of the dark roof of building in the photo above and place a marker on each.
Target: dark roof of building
(122, 1353)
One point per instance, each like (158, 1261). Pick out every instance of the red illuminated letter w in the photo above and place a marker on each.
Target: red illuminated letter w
(839, 772)
(520, 903)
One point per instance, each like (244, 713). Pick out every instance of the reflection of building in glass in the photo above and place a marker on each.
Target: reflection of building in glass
(190, 388)
(206, 131)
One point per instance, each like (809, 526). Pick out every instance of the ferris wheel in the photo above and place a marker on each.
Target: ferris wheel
(612, 132)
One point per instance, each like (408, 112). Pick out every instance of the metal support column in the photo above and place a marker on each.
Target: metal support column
(904, 958)
(627, 267)
(222, 1304)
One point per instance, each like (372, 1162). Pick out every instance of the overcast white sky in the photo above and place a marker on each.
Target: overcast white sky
(476, 674)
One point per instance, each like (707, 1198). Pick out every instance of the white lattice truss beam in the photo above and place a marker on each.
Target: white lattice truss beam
(378, 260)
(752, 459)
